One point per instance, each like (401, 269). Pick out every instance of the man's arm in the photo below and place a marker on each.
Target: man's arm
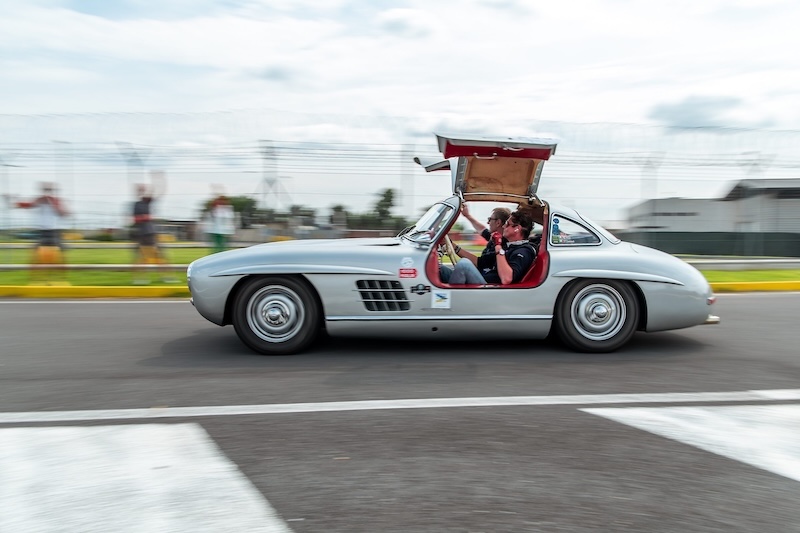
(464, 254)
(58, 205)
(476, 224)
(513, 265)
(504, 270)
(158, 181)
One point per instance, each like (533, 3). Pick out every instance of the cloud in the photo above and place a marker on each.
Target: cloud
(407, 23)
(696, 112)
(484, 61)
(276, 73)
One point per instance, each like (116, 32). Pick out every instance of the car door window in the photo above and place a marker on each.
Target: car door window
(565, 231)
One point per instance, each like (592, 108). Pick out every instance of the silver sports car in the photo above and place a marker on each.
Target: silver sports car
(591, 289)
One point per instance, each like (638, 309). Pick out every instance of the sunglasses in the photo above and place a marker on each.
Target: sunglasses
(492, 218)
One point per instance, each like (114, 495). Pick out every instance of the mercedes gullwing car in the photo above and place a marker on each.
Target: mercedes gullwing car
(588, 287)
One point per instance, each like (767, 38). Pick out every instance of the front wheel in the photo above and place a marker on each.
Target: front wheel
(597, 316)
(276, 315)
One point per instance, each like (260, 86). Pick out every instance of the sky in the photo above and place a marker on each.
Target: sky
(180, 73)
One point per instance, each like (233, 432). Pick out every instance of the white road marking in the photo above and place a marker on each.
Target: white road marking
(126, 478)
(764, 436)
(367, 405)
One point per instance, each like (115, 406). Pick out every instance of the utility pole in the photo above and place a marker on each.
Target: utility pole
(270, 183)
(649, 188)
(407, 178)
(67, 154)
(133, 158)
(752, 224)
(6, 188)
(268, 172)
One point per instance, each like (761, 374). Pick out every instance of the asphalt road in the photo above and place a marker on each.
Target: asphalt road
(547, 462)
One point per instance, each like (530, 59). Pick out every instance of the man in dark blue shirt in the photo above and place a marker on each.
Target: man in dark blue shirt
(508, 264)
(496, 221)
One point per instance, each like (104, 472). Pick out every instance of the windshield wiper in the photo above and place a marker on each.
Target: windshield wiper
(405, 230)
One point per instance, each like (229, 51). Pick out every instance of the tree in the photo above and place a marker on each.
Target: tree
(240, 204)
(244, 205)
(384, 205)
(303, 215)
(339, 215)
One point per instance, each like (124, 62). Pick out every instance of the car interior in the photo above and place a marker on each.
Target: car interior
(536, 273)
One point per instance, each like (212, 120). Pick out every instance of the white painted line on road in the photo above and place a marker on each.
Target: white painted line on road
(764, 436)
(126, 478)
(368, 405)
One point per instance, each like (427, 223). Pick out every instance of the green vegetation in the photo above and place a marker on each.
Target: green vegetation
(102, 255)
(725, 276)
(99, 256)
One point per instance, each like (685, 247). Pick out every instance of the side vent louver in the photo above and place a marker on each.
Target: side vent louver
(383, 295)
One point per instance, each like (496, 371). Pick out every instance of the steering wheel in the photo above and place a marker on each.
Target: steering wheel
(450, 250)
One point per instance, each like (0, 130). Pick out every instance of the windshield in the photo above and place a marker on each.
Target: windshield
(431, 223)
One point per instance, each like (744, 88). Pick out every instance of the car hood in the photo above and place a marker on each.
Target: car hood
(380, 256)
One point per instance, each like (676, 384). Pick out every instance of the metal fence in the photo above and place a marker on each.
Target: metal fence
(603, 170)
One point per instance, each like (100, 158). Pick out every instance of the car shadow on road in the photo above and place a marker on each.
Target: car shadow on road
(642, 345)
(207, 348)
(221, 348)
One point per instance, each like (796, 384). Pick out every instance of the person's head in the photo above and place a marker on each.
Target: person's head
(48, 188)
(217, 190)
(498, 218)
(518, 226)
(142, 191)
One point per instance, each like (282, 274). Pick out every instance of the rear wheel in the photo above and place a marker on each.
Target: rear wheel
(276, 315)
(597, 315)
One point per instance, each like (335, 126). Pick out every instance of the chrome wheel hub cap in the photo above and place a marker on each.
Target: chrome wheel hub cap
(275, 313)
(598, 312)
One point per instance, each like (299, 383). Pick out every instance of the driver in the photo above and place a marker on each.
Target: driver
(496, 220)
(508, 264)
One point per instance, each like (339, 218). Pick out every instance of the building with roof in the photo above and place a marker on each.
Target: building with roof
(757, 217)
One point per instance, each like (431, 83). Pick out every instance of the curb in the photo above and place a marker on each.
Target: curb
(755, 286)
(68, 291)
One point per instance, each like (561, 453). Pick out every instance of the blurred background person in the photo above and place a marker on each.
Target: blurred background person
(221, 220)
(50, 212)
(143, 230)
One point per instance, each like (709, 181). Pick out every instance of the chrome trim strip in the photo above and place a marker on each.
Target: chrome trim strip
(429, 318)
(613, 274)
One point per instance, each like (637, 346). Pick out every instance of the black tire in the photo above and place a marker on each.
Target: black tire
(597, 315)
(276, 315)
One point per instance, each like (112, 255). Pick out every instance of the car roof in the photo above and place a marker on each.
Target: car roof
(498, 169)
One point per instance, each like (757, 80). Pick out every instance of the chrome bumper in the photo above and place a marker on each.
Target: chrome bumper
(712, 319)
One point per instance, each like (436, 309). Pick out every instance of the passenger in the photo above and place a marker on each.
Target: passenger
(507, 264)
(496, 220)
